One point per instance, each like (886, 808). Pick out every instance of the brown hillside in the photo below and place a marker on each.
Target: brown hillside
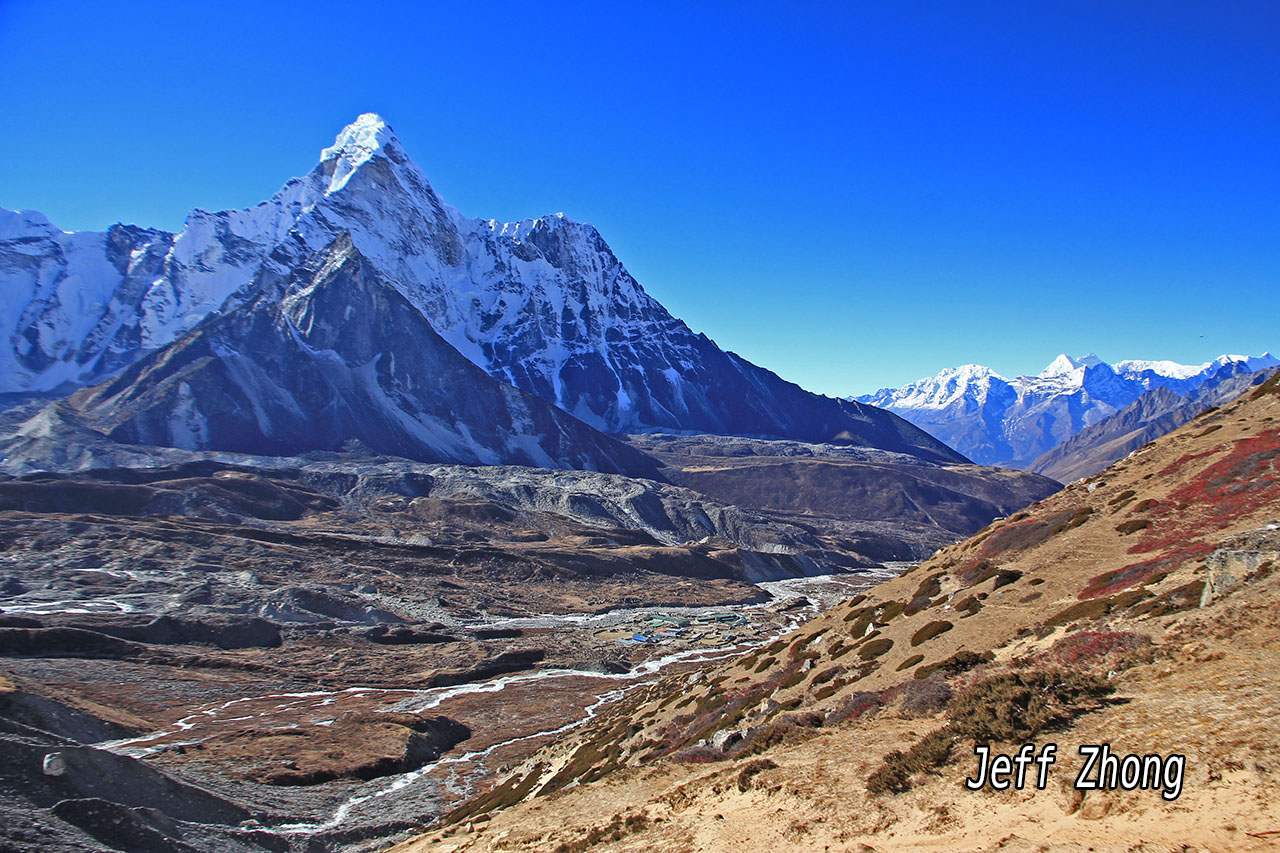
(1136, 608)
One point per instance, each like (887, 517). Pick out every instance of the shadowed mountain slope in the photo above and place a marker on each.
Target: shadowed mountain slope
(328, 354)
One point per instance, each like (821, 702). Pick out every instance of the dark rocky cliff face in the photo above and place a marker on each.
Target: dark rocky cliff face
(331, 354)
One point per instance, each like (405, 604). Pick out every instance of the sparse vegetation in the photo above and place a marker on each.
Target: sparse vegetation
(698, 755)
(1079, 517)
(1016, 706)
(961, 661)
(616, 829)
(1124, 528)
(894, 775)
(1184, 597)
(1133, 575)
(1011, 707)
(510, 792)
(827, 674)
(855, 705)
(1271, 386)
(1094, 647)
(923, 697)
(751, 770)
(931, 630)
(1121, 499)
(1095, 608)
(765, 664)
(1004, 577)
(923, 595)
(910, 662)
(875, 648)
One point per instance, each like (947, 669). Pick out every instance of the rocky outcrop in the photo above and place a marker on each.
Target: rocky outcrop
(62, 794)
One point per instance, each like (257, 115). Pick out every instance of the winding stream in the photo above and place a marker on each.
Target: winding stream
(293, 709)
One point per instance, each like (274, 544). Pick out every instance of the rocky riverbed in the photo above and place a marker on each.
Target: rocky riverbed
(322, 658)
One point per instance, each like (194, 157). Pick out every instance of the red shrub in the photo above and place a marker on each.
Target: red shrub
(1137, 574)
(1087, 646)
(854, 707)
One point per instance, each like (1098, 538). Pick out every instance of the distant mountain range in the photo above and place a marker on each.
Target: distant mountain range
(1152, 415)
(347, 306)
(1016, 422)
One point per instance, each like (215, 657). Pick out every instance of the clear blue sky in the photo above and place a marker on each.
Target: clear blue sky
(851, 194)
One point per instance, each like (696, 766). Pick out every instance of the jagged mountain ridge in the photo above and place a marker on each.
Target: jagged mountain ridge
(328, 354)
(1011, 422)
(1152, 415)
(541, 304)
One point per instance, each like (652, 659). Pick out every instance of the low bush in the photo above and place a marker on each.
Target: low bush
(1079, 517)
(1124, 528)
(1016, 706)
(698, 755)
(961, 661)
(1011, 707)
(924, 697)
(1185, 597)
(909, 662)
(875, 648)
(827, 674)
(1004, 577)
(923, 595)
(929, 631)
(1091, 647)
(894, 776)
(751, 770)
(855, 705)
(805, 720)
(767, 737)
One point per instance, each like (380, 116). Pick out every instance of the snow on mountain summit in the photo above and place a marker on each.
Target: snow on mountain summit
(542, 304)
(938, 392)
(1064, 365)
(17, 224)
(358, 142)
(997, 421)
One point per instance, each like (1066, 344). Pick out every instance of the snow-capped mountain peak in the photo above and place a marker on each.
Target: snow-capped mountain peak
(1010, 422)
(1137, 369)
(1169, 369)
(1064, 365)
(972, 382)
(521, 229)
(357, 144)
(540, 304)
(20, 224)
(1250, 363)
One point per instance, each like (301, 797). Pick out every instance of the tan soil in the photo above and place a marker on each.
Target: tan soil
(1206, 687)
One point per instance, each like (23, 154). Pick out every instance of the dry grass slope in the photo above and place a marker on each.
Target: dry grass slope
(1135, 608)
